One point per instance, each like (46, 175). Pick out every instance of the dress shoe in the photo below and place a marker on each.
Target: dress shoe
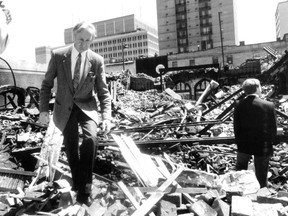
(84, 199)
(74, 188)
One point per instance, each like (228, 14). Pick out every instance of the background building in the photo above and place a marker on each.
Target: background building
(43, 54)
(194, 25)
(281, 18)
(123, 38)
(120, 36)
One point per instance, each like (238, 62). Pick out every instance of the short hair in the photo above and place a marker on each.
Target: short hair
(84, 25)
(251, 85)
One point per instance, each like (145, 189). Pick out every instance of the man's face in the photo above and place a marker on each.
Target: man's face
(82, 40)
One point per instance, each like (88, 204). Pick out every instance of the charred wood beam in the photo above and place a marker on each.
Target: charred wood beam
(284, 115)
(17, 172)
(223, 114)
(160, 127)
(189, 142)
(12, 102)
(189, 190)
(165, 70)
(194, 141)
(34, 124)
(221, 102)
(33, 100)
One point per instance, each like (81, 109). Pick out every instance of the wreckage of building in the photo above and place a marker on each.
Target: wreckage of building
(171, 150)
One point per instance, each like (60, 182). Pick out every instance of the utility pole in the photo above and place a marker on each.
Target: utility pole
(221, 38)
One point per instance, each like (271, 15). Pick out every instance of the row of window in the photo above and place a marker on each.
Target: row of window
(119, 47)
(120, 40)
(126, 53)
(184, 47)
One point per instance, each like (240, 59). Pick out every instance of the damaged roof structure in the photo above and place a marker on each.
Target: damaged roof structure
(164, 156)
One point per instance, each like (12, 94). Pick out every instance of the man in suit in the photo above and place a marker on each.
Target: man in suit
(80, 79)
(255, 130)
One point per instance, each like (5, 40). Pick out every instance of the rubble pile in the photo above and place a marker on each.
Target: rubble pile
(164, 156)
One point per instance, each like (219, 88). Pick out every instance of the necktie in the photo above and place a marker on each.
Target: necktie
(76, 78)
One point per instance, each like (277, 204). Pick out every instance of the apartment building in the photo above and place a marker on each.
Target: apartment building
(281, 19)
(195, 25)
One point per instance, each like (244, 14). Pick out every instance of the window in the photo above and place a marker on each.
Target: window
(192, 62)
(174, 64)
(215, 60)
(230, 59)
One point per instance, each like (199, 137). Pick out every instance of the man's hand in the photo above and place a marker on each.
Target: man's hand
(106, 126)
(44, 118)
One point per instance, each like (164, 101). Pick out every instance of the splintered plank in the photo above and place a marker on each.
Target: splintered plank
(165, 172)
(159, 193)
(188, 190)
(131, 197)
(142, 165)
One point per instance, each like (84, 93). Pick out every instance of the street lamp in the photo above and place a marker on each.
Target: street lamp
(124, 46)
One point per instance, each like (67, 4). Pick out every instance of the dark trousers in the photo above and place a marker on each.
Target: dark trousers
(261, 164)
(80, 157)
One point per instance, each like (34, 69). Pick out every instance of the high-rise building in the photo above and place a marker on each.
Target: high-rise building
(281, 19)
(194, 25)
(123, 38)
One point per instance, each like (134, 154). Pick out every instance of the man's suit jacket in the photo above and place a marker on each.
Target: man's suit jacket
(92, 85)
(255, 125)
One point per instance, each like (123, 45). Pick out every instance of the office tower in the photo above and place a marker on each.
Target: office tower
(122, 38)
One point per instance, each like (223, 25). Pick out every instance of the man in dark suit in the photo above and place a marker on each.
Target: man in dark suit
(255, 130)
(80, 78)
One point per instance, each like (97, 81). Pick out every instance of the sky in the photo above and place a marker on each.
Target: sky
(37, 23)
